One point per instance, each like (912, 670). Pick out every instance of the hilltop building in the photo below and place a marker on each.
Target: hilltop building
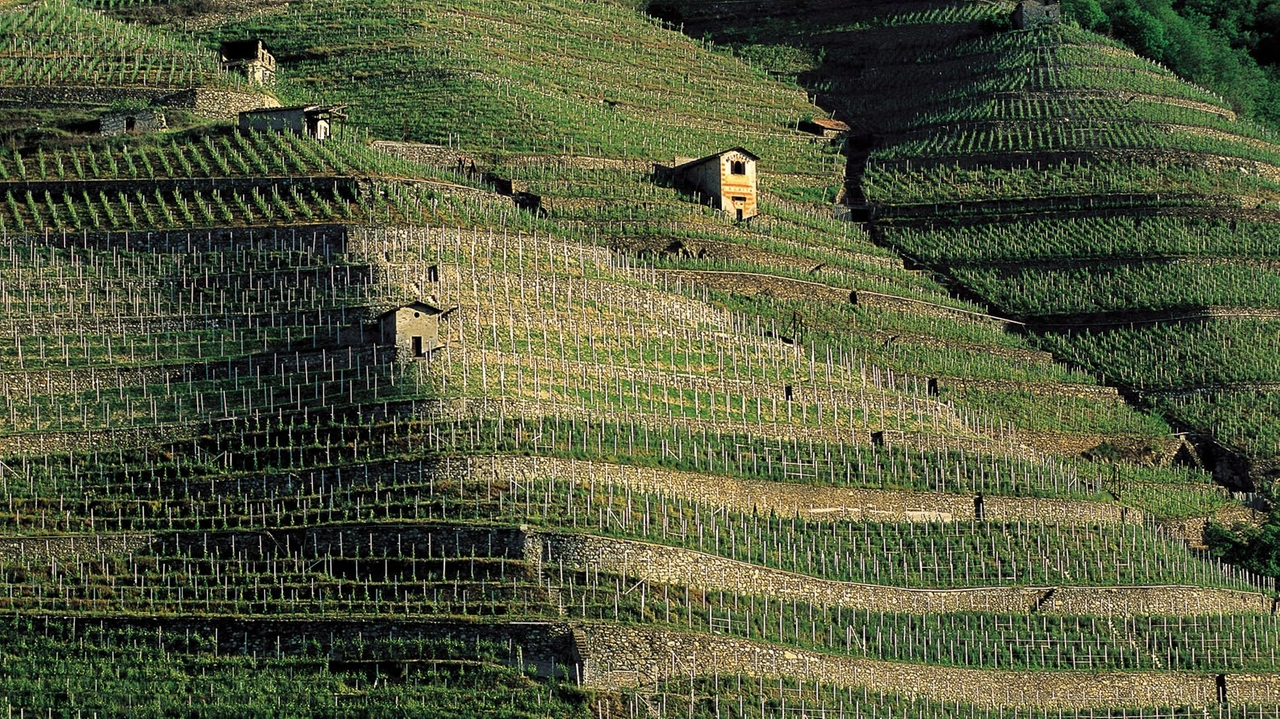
(251, 59)
(413, 328)
(727, 178)
(310, 120)
(120, 123)
(830, 129)
(1032, 13)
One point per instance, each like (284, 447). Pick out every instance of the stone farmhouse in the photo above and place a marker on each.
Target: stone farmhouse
(120, 123)
(413, 328)
(251, 59)
(313, 121)
(727, 179)
(1031, 13)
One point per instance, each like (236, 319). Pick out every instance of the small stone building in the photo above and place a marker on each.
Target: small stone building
(727, 178)
(310, 120)
(830, 129)
(1032, 13)
(413, 328)
(251, 59)
(120, 123)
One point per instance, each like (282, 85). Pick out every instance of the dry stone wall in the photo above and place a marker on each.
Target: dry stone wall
(625, 656)
(751, 283)
(40, 443)
(42, 549)
(799, 499)
(661, 564)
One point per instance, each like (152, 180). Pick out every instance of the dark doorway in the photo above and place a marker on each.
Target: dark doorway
(933, 388)
(789, 392)
(417, 346)
(978, 508)
(739, 214)
(130, 124)
(433, 273)
(1222, 688)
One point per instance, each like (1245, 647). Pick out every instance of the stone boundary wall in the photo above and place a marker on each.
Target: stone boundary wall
(1041, 389)
(216, 103)
(57, 442)
(853, 504)
(71, 547)
(374, 540)
(684, 567)
(752, 283)
(580, 162)
(431, 155)
(618, 657)
(64, 381)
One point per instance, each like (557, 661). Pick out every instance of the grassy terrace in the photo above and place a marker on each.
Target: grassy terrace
(565, 78)
(55, 43)
(210, 461)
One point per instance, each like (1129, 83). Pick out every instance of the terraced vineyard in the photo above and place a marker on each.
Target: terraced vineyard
(662, 462)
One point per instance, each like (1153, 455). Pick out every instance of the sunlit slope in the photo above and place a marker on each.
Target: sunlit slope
(54, 43)
(564, 77)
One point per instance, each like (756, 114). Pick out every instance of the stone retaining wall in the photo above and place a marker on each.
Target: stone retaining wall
(42, 549)
(751, 283)
(673, 565)
(798, 499)
(624, 656)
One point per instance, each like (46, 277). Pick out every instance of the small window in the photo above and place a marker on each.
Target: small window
(738, 167)
(417, 314)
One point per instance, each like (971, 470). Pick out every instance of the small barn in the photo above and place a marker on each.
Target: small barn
(310, 120)
(120, 123)
(250, 59)
(413, 328)
(830, 129)
(727, 178)
(1032, 13)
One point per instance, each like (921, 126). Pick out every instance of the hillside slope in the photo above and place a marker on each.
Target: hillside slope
(653, 445)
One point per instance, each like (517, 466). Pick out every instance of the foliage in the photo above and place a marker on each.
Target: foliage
(1224, 44)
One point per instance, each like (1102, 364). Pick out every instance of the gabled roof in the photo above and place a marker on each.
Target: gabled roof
(716, 157)
(294, 108)
(831, 124)
(423, 307)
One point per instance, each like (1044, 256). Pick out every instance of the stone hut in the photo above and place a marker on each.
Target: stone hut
(120, 123)
(251, 59)
(1032, 13)
(413, 328)
(313, 121)
(830, 129)
(727, 178)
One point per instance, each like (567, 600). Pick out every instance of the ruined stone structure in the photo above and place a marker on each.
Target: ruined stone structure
(313, 121)
(119, 123)
(1031, 13)
(251, 59)
(727, 179)
(830, 129)
(413, 328)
